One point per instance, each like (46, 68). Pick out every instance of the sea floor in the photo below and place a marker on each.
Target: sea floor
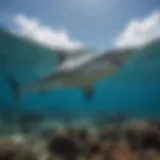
(49, 140)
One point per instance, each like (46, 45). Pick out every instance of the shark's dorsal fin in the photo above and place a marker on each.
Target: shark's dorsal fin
(61, 56)
(67, 54)
(88, 91)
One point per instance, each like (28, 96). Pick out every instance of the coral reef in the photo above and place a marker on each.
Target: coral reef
(139, 140)
(9, 150)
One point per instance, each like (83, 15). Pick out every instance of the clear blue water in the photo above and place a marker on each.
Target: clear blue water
(135, 89)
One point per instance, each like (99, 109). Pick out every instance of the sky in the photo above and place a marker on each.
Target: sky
(99, 24)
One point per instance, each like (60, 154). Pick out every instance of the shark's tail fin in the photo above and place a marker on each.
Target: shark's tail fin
(15, 87)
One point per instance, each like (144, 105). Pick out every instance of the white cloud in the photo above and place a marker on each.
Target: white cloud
(33, 29)
(140, 31)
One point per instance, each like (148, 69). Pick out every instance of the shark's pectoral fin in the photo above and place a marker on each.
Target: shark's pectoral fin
(15, 86)
(88, 91)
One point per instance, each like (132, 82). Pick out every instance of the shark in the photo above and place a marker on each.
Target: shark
(81, 69)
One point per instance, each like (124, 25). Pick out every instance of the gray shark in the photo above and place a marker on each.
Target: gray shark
(81, 69)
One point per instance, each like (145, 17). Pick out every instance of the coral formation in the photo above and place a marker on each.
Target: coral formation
(132, 141)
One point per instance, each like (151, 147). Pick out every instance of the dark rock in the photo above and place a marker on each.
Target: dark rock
(150, 140)
(64, 146)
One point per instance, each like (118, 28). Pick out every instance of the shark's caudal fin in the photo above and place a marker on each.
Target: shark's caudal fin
(15, 86)
(88, 92)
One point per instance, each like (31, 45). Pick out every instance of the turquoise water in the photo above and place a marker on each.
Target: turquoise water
(135, 89)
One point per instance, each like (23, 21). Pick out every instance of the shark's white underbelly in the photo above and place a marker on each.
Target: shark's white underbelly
(86, 78)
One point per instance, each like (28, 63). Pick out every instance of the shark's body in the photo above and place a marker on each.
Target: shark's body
(82, 70)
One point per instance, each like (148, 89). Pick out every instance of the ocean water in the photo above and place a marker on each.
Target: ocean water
(133, 90)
